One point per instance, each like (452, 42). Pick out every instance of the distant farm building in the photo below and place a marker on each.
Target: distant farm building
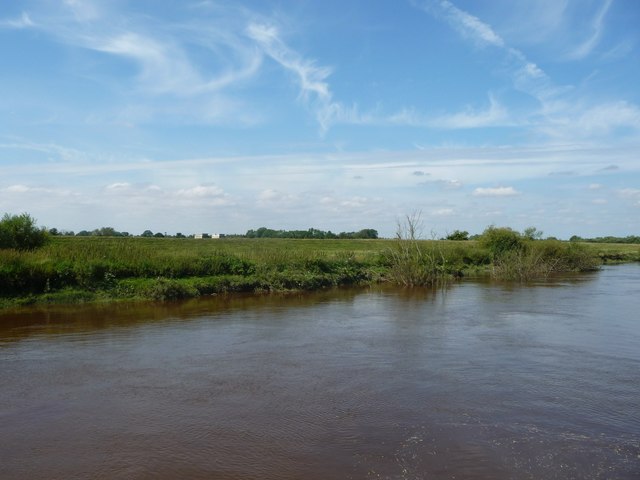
(207, 235)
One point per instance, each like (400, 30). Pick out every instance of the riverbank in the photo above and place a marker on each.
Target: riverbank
(94, 269)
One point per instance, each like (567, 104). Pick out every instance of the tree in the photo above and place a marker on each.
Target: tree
(367, 233)
(532, 233)
(458, 235)
(21, 233)
(500, 240)
(147, 233)
(106, 232)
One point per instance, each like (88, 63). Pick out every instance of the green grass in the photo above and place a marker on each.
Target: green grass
(79, 269)
(614, 252)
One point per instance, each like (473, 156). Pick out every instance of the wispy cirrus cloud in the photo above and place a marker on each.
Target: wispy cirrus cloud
(315, 91)
(495, 115)
(161, 53)
(597, 27)
(563, 113)
(592, 121)
(470, 26)
(24, 21)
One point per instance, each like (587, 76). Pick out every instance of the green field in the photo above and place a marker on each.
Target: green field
(74, 269)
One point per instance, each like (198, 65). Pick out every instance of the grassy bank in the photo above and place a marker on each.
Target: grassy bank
(76, 269)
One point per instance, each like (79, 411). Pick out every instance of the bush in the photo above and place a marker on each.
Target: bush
(501, 240)
(458, 235)
(20, 232)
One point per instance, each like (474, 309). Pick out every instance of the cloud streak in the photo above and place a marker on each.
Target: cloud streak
(315, 91)
(470, 26)
(495, 192)
(585, 49)
(24, 21)
(562, 114)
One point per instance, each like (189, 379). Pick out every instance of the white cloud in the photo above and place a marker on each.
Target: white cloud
(451, 184)
(584, 49)
(495, 192)
(602, 119)
(562, 115)
(18, 189)
(163, 69)
(470, 26)
(526, 75)
(595, 186)
(314, 89)
(166, 68)
(169, 80)
(495, 115)
(354, 202)
(577, 121)
(201, 191)
(630, 192)
(118, 186)
(18, 23)
(442, 212)
(271, 197)
(36, 191)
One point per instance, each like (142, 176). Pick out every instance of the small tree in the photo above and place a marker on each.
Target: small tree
(20, 232)
(458, 235)
(501, 240)
(532, 233)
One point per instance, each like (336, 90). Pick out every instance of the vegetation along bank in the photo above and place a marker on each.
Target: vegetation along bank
(47, 268)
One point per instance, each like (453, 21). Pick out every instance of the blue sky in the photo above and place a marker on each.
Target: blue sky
(215, 116)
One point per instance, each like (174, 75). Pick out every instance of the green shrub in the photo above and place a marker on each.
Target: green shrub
(20, 232)
(500, 240)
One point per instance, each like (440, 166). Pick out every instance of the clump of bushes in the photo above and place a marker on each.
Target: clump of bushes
(20, 232)
(525, 257)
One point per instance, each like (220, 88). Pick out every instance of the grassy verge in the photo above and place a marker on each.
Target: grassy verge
(88, 269)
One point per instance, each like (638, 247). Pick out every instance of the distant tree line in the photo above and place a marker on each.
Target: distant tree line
(111, 232)
(263, 232)
(628, 239)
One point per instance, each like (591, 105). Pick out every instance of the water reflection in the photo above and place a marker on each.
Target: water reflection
(477, 380)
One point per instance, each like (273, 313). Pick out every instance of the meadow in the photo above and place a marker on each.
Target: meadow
(77, 269)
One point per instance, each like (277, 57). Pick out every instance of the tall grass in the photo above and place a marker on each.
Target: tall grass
(163, 268)
(412, 262)
(100, 263)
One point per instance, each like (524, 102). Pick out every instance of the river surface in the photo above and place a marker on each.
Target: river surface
(480, 380)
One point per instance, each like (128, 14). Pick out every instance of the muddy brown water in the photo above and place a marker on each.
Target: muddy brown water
(478, 380)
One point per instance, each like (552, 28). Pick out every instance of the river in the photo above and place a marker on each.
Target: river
(478, 380)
